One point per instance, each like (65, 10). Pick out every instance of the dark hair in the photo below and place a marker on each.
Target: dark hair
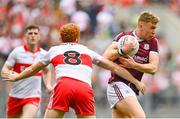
(31, 27)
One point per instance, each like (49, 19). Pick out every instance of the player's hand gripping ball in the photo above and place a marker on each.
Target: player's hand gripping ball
(128, 44)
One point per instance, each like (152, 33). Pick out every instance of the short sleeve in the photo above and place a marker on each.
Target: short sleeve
(11, 60)
(46, 58)
(154, 45)
(96, 57)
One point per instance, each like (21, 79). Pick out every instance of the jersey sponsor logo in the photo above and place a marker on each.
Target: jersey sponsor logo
(24, 57)
(138, 59)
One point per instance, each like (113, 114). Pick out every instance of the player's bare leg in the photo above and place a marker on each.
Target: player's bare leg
(54, 114)
(29, 111)
(90, 117)
(129, 107)
(117, 114)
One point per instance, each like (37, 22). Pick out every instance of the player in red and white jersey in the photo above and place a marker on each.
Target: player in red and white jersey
(122, 93)
(73, 65)
(24, 97)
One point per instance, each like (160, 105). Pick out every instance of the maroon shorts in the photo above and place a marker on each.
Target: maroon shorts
(15, 105)
(74, 93)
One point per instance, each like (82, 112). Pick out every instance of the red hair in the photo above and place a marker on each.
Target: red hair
(70, 32)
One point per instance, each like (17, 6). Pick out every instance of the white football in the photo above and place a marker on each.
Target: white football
(125, 40)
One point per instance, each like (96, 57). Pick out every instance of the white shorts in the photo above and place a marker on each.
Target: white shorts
(117, 91)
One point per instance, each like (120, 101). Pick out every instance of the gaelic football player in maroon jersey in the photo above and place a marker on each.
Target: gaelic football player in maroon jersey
(120, 92)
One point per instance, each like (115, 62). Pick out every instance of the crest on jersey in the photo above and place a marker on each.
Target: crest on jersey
(146, 46)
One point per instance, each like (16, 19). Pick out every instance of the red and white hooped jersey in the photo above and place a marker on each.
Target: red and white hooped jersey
(19, 59)
(72, 60)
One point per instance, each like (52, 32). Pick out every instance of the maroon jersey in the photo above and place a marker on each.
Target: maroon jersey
(142, 56)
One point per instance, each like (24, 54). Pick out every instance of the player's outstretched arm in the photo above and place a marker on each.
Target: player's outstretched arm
(30, 71)
(105, 63)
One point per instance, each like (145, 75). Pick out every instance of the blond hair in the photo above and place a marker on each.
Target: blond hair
(148, 17)
(70, 32)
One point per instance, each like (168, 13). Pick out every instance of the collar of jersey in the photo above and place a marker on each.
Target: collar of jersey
(71, 43)
(27, 49)
(137, 37)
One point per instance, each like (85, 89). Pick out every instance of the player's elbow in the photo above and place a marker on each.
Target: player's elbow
(4, 70)
(153, 70)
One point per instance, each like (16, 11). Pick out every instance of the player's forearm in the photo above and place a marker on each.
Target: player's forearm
(5, 69)
(146, 68)
(30, 71)
(26, 73)
(125, 74)
(118, 70)
(47, 81)
(47, 77)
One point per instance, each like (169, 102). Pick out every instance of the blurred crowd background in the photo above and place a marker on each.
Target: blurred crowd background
(99, 21)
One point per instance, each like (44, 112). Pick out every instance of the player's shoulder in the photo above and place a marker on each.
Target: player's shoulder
(83, 46)
(43, 50)
(54, 47)
(118, 36)
(18, 49)
(154, 40)
(78, 47)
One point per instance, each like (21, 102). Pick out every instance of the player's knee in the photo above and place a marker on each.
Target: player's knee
(138, 115)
